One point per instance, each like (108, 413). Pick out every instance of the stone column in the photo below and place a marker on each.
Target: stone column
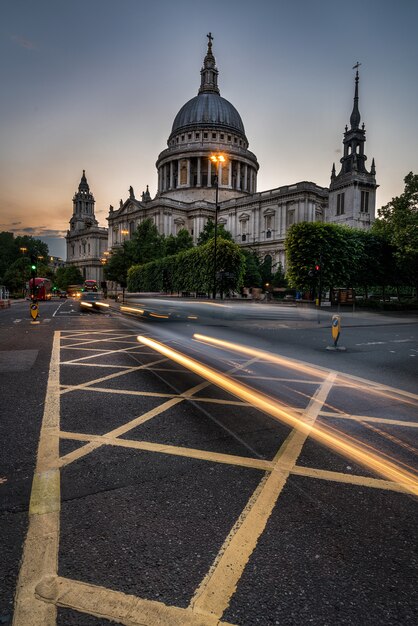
(239, 175)
(199, 174)
(188, 172)
(171, 174)
(209, 173)
(245, 177)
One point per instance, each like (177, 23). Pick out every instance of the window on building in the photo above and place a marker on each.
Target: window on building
(205, 135)
(213, 135)
(229, 137)
(364, 208)
(222, 136)
(235, 140)
(197, 135)
(340, 204)
(268, 234)
(189, 135)
(243, 237)
(72, 250)
(182, 137)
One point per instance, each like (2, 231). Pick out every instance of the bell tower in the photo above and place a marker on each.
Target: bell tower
(352, 192)
(83, 207)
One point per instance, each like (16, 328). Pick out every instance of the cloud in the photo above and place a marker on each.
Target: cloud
(23, 42)
(32, 231)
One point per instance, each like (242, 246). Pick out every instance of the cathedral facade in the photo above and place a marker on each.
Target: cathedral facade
(189, 181)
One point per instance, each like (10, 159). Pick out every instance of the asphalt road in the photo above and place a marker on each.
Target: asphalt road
(182, 480)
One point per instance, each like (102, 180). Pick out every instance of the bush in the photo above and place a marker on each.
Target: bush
(191, 270)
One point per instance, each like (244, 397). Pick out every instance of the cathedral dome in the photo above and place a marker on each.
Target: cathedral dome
(207, 125)
(208, 109)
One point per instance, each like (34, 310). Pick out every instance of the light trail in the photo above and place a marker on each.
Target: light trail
(306, 368)
(271, 407)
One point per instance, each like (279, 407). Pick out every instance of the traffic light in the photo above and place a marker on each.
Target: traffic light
(317, 268)
(33, 265)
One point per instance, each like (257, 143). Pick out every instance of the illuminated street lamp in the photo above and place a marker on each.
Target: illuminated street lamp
(217, 159)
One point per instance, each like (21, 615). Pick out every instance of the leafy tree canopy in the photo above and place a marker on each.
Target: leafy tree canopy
(209, 233)
(69, 275)
(252, 275)
(175, 244)
(118, 264)
(398, 223)
(146, 244)
(15, 253)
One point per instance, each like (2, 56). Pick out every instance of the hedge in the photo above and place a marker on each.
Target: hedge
(191, 270)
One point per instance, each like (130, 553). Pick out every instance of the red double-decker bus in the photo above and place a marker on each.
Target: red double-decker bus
(90, 285)
(42, 289)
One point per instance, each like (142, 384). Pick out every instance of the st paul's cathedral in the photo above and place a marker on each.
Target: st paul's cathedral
(209, 125)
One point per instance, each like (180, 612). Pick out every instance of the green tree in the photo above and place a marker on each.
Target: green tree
(191, 270)
(146, 244)
(338, 249)
(398, 224)
(252, 275)
(176, 244)
(69, 275)
(266, 270)
(118, 265)
(209, 233)
(8, 252)
(13, 248)
(17, 275)
(279, 277)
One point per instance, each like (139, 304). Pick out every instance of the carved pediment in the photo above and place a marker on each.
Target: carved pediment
(268, 212)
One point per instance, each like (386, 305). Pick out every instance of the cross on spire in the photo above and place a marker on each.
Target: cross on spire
(356, 66)
(209, 36)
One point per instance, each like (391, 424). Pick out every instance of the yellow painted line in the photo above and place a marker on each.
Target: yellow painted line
(116, 606)
(351, 479)
(98, 353)
(82, 386)
(367, 418)
(279, 379)
(116, 338)
(214, 593)
(155, 394)
(45, 495)
(121, 430)
(193, 453)
(40, 552)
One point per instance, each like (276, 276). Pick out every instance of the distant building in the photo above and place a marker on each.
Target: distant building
(86, 240)
(54, 262)
(207, 125)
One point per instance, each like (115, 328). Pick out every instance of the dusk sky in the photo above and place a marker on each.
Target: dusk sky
(96, 84)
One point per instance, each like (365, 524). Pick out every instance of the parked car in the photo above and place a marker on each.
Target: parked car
(92, 301)
(62, 294)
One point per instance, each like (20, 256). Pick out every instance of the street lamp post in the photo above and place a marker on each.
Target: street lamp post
(217, 159)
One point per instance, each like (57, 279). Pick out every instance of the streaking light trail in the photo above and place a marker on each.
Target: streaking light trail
(271, 407)
(305, 368)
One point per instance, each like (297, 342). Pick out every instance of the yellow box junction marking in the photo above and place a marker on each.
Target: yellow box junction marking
(40, 590)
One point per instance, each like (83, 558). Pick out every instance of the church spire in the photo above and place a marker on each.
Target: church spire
(84, 186)
(355, 115)
(209, 72)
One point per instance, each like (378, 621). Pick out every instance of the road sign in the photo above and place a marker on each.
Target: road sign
(34, 310)
(335, 328)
